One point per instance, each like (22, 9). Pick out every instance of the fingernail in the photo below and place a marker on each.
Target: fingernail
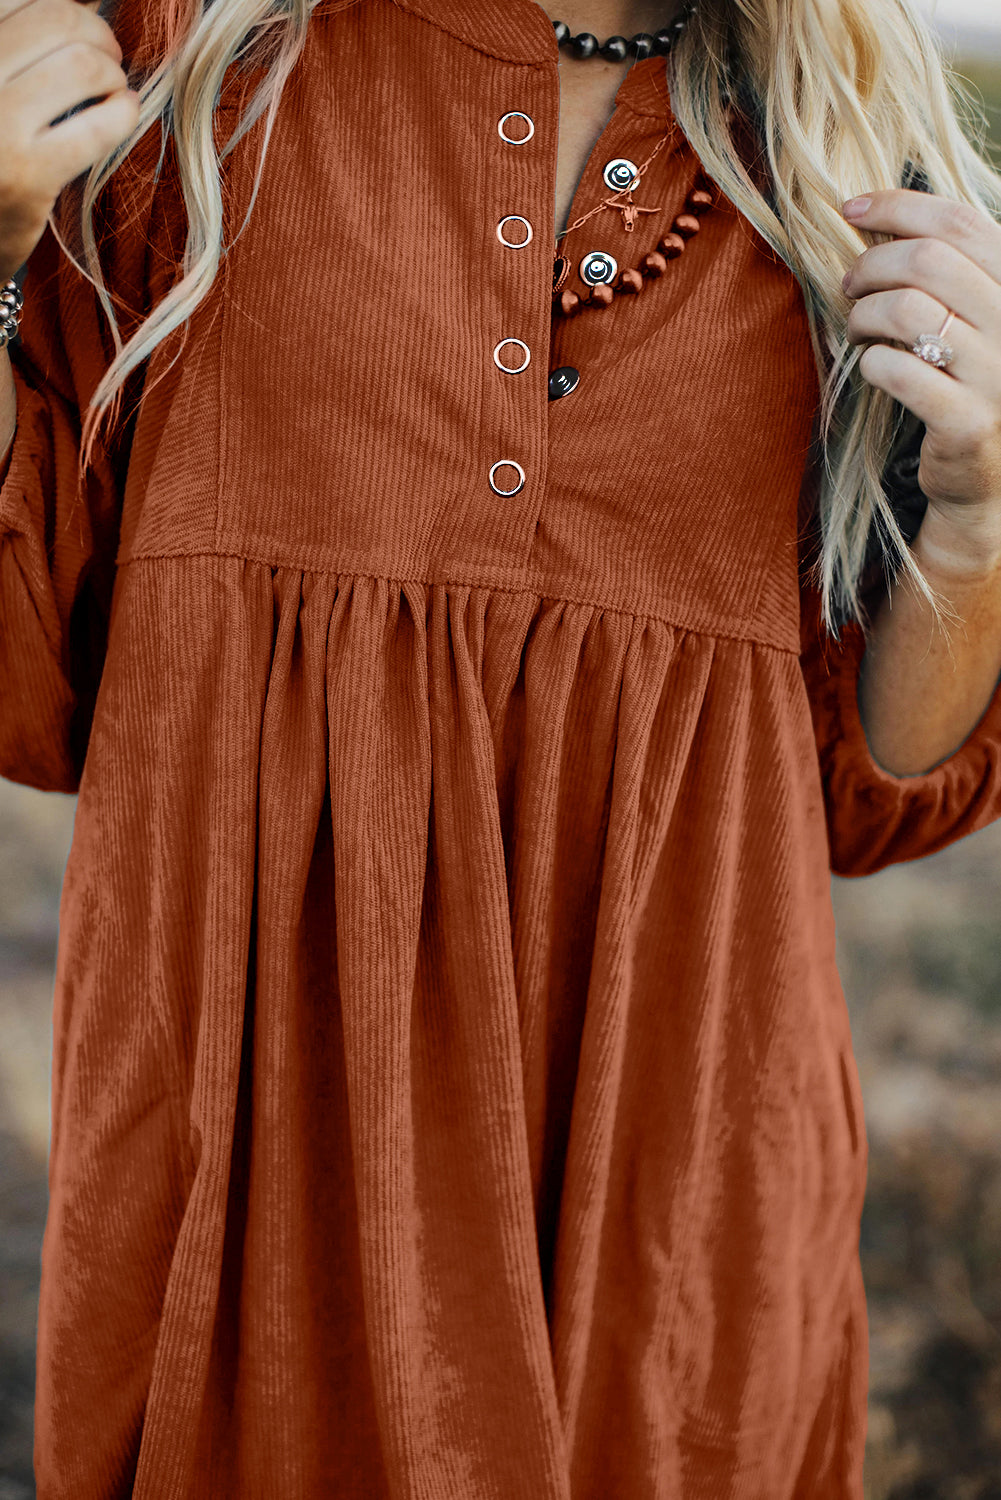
(855, 207)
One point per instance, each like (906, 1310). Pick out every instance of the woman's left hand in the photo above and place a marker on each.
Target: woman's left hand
(946, 257)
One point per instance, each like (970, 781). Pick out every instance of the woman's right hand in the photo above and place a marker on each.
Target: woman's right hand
(54, 56)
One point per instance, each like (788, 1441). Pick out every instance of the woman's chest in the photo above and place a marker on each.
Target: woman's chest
(587, 102)
(367, 387)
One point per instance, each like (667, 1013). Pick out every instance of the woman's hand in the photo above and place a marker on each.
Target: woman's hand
(55, 56)
(946, 257)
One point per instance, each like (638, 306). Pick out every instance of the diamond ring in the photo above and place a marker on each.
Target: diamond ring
(932, 348)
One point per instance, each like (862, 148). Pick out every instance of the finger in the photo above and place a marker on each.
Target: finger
(58, 94)
(945, 405)
(903, 315)
(27, 43)
(912, 215)
(937, 268)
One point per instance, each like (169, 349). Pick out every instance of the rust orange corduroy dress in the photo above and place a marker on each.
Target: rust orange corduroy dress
(453, 1095)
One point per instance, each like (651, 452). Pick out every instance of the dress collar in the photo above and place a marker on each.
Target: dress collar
(520, 31)
(513, 30)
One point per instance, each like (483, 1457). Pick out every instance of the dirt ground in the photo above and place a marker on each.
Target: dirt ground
(919, 948)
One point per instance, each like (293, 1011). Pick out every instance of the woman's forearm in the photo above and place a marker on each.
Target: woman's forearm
(8, 409)
(918, 703)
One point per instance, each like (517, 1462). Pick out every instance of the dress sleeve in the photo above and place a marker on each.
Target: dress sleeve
(57, 546)
(58, 543)
(875, 818)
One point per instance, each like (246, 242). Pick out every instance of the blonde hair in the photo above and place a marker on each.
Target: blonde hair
(841, 96)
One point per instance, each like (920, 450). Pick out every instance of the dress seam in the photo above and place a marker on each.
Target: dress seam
(466, 583)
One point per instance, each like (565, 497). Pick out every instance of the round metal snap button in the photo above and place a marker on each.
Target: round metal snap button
(620, 173)
(597, 267)
(515, 140)
(563, 381)
(515, 244)
(512, 369)
(521, 482)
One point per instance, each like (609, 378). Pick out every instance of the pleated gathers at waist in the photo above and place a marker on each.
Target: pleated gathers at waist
(492, 1046)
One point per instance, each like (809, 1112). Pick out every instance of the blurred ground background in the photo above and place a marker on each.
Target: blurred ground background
(920, 956)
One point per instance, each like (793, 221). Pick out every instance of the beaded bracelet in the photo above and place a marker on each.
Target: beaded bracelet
(11, 302)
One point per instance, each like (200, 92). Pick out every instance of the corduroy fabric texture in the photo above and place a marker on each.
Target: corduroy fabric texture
(453, 1095)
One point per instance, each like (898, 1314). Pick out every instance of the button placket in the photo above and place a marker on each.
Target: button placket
(512, 245)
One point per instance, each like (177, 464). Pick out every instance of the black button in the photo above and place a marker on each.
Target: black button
(562, 381)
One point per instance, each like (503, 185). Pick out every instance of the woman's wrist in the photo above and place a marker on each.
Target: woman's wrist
(8, 407)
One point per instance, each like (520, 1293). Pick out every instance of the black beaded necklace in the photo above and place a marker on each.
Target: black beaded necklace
(616, 49)
(598, 269)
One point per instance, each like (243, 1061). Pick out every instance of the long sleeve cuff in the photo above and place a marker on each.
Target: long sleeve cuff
(876, 818)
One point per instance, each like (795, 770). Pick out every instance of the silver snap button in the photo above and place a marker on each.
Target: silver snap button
(521, 482)
(620, 173)
(597, 267)
(511, 115)
(512, 369)
(514, 244)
